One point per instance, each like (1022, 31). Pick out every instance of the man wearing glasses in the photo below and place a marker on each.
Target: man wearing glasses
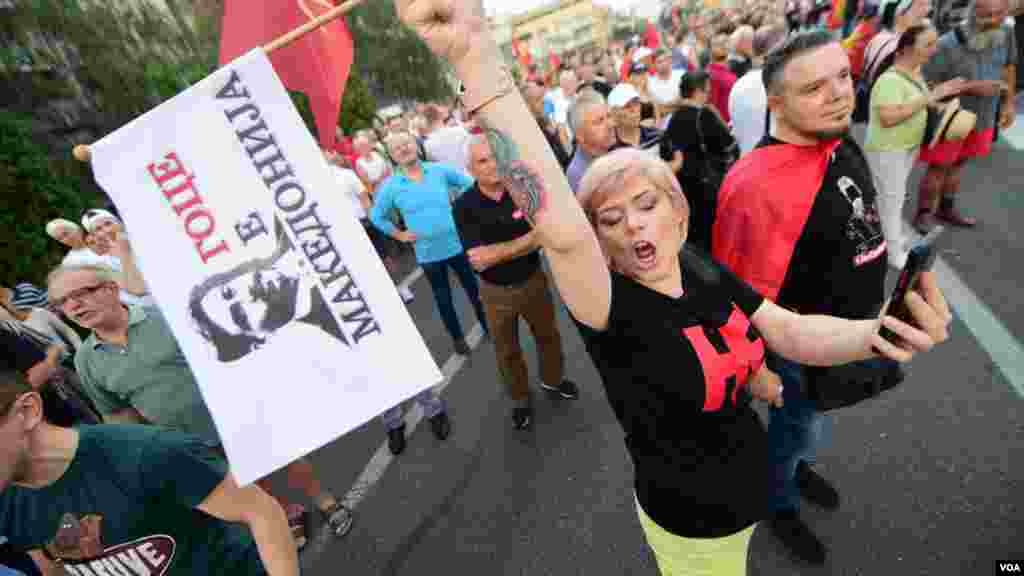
(130, 365)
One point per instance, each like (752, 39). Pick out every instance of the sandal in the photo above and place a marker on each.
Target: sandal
(339, 518)
(297, 516)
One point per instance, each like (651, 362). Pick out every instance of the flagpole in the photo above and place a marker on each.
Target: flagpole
(82, 153)
(332, 14)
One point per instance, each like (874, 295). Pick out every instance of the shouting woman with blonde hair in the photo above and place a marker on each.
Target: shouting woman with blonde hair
(678, 340)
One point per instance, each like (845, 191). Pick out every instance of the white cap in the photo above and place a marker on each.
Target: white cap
(93, 217)
(641, 53)
(56, 224)
(622, 94)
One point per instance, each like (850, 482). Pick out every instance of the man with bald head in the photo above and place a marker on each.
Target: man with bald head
(421, 192)
(502, 248)
(562, 99)
(984, 52)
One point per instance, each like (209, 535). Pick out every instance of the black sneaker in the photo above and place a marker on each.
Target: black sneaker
(461, 347)
(567, 389)
(396, 440)
(521, 418)
(441, 425)
(797, 537)
(815, 488)
(339, 519)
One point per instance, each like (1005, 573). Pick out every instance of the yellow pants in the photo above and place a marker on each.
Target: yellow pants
(678, 556)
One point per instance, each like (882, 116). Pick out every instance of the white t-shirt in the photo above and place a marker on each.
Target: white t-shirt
(562, 104)
(352, 187)
(85, 257)
(748, 105)
(447, 145)
(664, 91)
(373, 167)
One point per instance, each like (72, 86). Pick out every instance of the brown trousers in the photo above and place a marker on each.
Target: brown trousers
(532, 301)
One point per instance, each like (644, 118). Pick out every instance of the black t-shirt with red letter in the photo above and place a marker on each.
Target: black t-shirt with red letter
(675, 372)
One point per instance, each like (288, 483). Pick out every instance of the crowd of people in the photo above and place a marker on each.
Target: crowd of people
(714, 230)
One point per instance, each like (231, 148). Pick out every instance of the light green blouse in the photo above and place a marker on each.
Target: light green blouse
(893, 88)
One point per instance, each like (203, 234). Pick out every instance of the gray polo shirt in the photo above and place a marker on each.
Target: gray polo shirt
(577, 168)
(150, 374)
(953, 60)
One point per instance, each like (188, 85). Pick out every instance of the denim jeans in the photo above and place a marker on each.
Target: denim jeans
(432, 406)
(794, 433)
(437, 276)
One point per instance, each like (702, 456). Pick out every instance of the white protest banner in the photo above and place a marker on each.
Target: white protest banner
(253, 252)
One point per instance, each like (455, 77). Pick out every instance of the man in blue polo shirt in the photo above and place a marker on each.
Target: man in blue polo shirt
(422, 193)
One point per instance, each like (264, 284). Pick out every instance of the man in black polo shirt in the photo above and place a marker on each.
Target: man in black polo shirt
(502, 249)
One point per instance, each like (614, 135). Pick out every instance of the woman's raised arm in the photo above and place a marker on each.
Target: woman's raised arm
(457, 31)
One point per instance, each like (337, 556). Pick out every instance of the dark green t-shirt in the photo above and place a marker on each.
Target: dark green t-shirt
(145, 483)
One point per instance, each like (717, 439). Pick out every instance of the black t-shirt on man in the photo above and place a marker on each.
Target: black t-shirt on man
(481, 221)
(675, 373)
(839, 263)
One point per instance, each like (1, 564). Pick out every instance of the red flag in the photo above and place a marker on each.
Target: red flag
(522, 53)
(651, 38)
(554, 62)
(317, 64)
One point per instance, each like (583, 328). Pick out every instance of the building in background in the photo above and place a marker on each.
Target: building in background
(567, 26)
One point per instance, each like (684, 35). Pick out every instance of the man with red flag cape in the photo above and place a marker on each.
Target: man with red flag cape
(797, 220)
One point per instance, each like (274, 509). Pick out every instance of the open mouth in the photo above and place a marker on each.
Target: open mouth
(645, 253)
(85, 316)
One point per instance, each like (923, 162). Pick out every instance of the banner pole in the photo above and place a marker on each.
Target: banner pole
(82, 152)
(332, 14)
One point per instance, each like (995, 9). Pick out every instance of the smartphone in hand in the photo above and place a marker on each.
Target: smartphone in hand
(919, 259)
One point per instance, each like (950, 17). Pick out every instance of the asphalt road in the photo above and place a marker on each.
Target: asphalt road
(927, 473)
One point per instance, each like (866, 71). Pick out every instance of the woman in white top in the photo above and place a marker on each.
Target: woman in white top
(371, 167)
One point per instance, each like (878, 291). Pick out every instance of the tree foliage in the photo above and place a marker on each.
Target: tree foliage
(34, 192)
(120, 59)
(395, 63)
(109, 49)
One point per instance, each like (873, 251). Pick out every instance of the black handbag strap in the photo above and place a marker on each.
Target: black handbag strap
(921, 86)
(700, 135)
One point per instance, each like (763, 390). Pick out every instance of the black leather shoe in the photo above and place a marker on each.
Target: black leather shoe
(566, 389)
(521, 418)
(797, 537)
(815, 488)
(441, 426)
(396, 440)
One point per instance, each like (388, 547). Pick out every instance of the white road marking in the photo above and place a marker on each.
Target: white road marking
(1015, 134)
(412, 277)
(383, 457)
(1004, 350)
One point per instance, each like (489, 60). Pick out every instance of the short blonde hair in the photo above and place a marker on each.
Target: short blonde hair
(609, 173)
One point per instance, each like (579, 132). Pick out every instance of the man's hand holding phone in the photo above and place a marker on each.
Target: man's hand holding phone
(917, 316)
(928, 323)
